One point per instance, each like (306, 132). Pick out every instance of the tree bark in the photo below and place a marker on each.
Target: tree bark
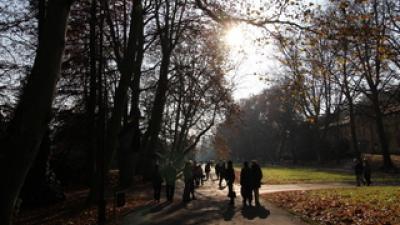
(157, 111)
(126, 68)
(29, 123)
(387, 162)
(353, 129)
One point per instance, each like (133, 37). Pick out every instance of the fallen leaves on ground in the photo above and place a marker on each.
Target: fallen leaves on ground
(75, 211)
(364, 206)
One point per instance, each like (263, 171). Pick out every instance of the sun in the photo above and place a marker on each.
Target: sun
(234, 36)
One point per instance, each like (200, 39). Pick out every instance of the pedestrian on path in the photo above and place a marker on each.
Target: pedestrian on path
(207, 169)
(170, 178)
(222, 173)
(246, 184)
(358, 170)
(230, 179)
(217, 169)
(188, 179)
(198, 174)
(157, 182)
(256, 177)
(367, 172)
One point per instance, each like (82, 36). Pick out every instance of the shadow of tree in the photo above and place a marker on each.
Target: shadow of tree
(205, 210)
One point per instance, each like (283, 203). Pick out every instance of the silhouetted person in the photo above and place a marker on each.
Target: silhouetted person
(217, 169)
(256, 175)
(246, 182)
(367, 172)
(198, 174)
(207, 169)
(222, 173)
(230, 179)
(358, 170)
(170, 177)
(188, 179)
(157, 181)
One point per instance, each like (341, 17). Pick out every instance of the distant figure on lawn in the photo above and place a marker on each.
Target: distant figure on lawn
(256, 177)
(359, 170)
(157, 181)
(230, 179)
(188, 179)
(367, 172)
(246, 181)
(170, 178)
(207, 169)
(222, 173)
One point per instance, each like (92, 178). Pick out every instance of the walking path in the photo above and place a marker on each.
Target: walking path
(211, 207)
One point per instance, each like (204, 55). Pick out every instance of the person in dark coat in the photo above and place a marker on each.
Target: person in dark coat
(256, 175)
(217, 169)
(222, 171)
(358, 170)
(246, 184)
(207, 169)
(198, 174)
(170, 179)
(157, 181)
(230, 179)
(188, 179)
(367, 172)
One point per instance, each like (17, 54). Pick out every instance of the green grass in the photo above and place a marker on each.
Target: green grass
(357, 205)
(383, 196)
(285, 175)
(293, 175)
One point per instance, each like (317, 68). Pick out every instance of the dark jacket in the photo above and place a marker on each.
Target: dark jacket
(256, 175)
(208, 167)
(222, 171)
(156, 178)
(358, 168)
(229, 175)
(246, 179)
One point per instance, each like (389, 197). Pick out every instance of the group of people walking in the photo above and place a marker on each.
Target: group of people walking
(193, 176)
(250, 180)
(169, 175)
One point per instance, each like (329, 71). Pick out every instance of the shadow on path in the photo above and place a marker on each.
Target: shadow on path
(252, 212)
(211, 208)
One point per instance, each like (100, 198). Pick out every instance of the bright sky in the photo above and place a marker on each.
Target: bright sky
(253, 62)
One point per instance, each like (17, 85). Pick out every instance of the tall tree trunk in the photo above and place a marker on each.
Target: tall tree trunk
(126, 68)
(151, 137)
(128, 162)
(27, 128)
(353, 131)
(91, 111)
(387, 162)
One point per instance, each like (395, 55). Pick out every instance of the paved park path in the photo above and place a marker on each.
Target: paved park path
(211, 207)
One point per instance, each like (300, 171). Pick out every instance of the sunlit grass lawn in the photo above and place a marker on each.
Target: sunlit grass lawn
(293, 175)
(384, 196)
(358, 205)
(285, 175)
